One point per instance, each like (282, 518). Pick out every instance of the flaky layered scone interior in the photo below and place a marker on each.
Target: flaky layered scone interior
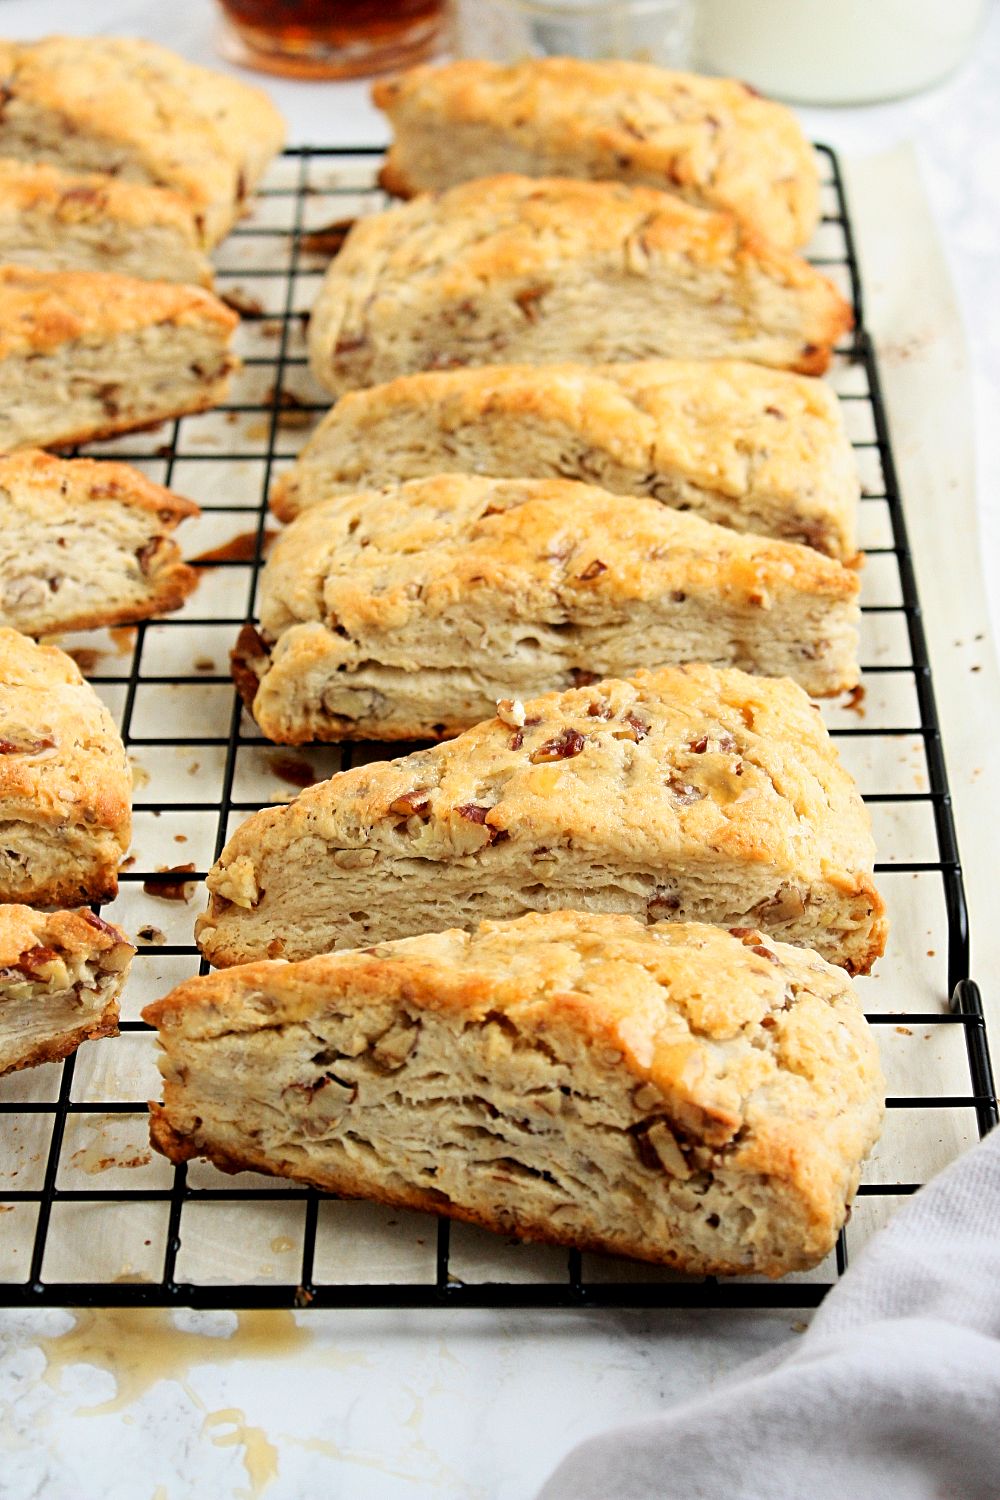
(688, 793)
(712, 141)
(755, 449)
(405, 613)
(544, 270)
(86, 543)
(61, 974)
(65, 781)
(671, 1092)
(86, 354)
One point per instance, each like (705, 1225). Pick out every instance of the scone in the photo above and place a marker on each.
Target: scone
(755, 449)
(86, 354)
(541, 271)
(713, 141)
(687, 794)
(61, 973)
(65, 781)
(84, 544)
(64, 221)
(140, 113)
(405, 613)
(674, 1092)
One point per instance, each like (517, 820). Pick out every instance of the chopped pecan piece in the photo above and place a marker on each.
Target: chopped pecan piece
(516, 740)
(632, 729)
(412, 805)
(25, 747)
(529, 299)
(147, 554)
(472, 812)
(510, 711)
(724, 744)
(563, 747)
(763, 952)
(684, 793)
(592, 570)
(582, 678)
(33, 960)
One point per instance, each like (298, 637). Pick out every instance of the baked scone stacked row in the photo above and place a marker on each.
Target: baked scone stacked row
(540, 975)
(121, 166)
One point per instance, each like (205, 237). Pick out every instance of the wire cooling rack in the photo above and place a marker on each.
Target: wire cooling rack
(88, 1215)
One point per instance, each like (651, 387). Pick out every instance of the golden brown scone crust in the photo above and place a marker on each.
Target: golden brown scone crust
(726, 1054)
(49, 950)
(712, 141)
(67, 201)
(705, 793)
(40, 310)
(65, 781)
(757, 449)
(62, 513)
(137, 110)
(544, 270)
(407, 612)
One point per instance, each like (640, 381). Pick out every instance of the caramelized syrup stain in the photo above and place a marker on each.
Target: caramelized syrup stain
(296, 772)
(260, 1456)
(171, 890)
(241, 548)
(855, 700)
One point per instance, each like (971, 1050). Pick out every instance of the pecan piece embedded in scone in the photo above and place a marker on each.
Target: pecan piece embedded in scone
(61, 973)
(138, 112)
(545, 270)
(692, 793)
(712, 141)
(86, 354)
(407, 612)
(85, 544)
(755, 449)
(66, 221)
(65, 781)
(671, 1092)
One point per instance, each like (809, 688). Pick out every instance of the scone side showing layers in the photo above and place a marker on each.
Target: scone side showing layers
(61, 974)
(689, 794)
(712, 141)
(669, 1092)
(65, 781)
(540, 271)
(755, 449)
(62, 221)
(143, 114)
(406, 613)
(86, 354)
(86, 544)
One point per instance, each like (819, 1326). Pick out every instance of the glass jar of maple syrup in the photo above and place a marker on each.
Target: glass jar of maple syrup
(332, 38)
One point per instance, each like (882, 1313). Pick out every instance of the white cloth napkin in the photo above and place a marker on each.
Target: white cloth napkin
(893, 1393)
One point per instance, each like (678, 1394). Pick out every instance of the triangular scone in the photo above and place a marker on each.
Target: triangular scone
(86, 543)
(755, 449)
(544, 270)
(673, 1091)
(713, 141)
(140, 113)
(689, 793)
(65, 781)
(406, 613)
(85, 354)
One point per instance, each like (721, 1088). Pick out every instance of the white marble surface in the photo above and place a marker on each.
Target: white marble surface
(366, 1405)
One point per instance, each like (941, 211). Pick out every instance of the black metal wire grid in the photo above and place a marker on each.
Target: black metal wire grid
(149, 1238)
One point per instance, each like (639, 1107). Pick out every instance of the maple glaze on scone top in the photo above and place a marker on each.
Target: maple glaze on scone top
(713, 141)
(32, 471)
